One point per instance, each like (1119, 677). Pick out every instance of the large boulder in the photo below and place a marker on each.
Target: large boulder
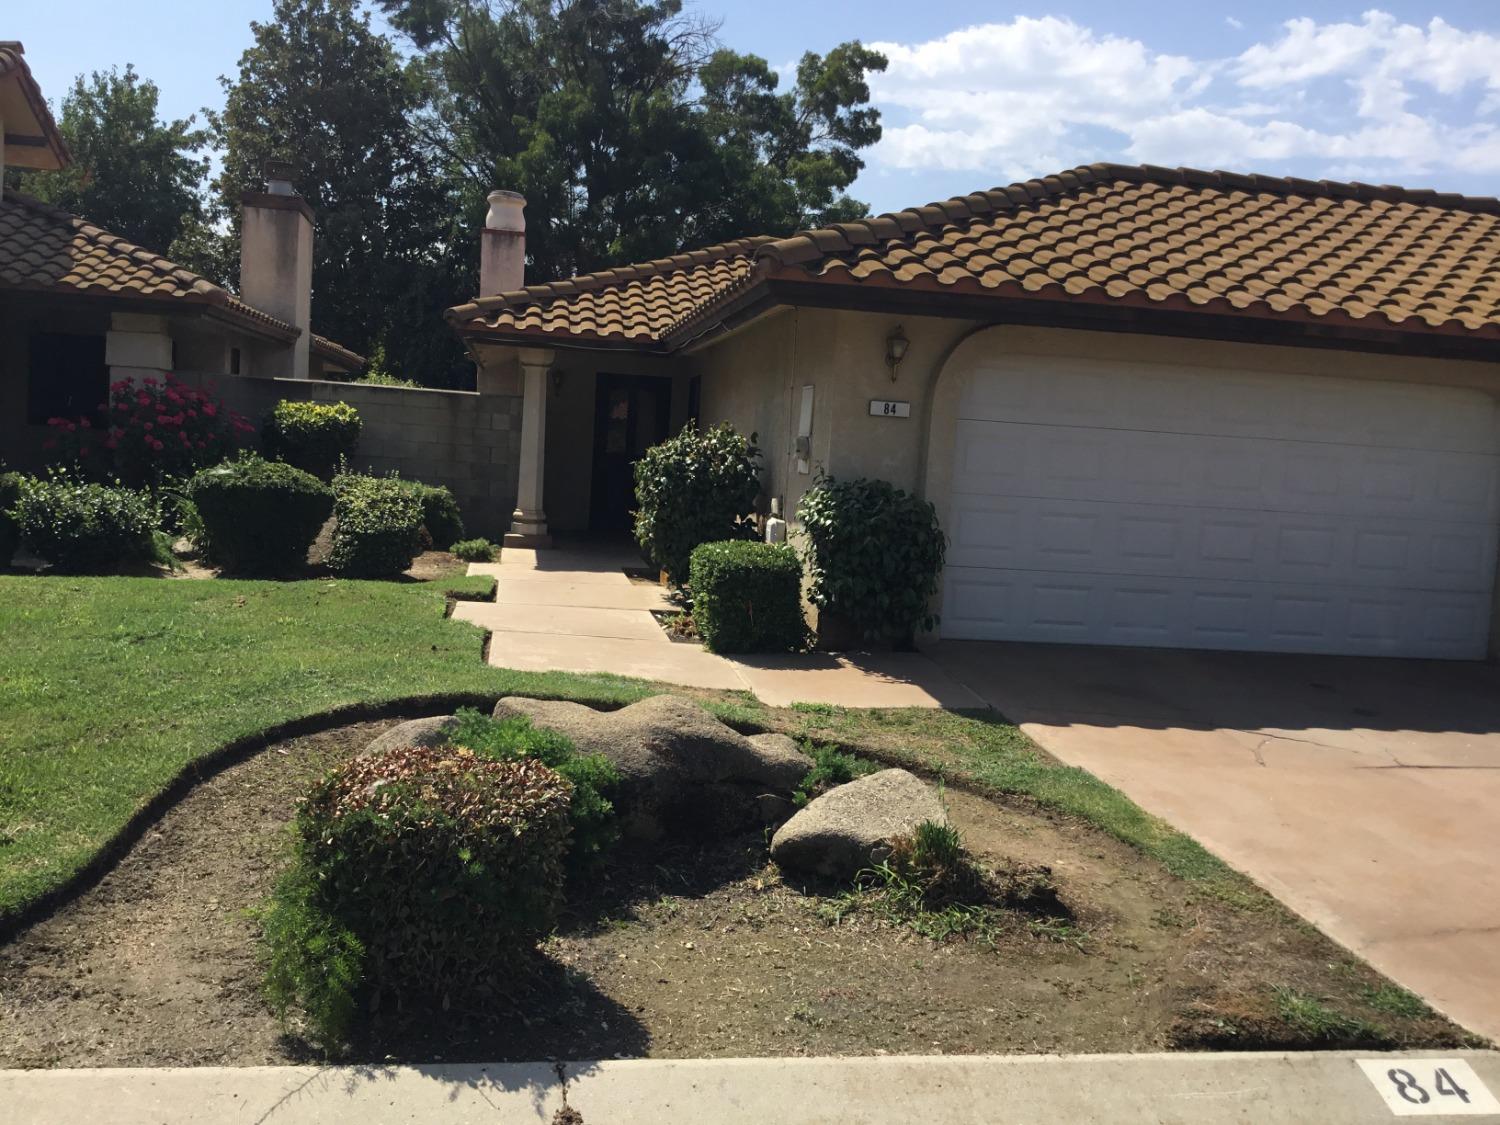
(433, 731)
(850, 828)
(679, 766)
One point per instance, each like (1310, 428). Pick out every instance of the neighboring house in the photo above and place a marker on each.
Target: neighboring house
(1151, 406)
(80, 306)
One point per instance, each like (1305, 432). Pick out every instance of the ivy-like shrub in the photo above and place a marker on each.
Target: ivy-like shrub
(313, 436)
(255, 516)
(377, 526)
(440, 515)
(747, 597)
(874, 554)
(154, 430)
(10, 535)
(421, 876)
(474, 550)
(698, 487)
(594, 776)
(80, 527)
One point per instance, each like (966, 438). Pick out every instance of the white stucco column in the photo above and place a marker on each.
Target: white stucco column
(528, 523)
(137, 344)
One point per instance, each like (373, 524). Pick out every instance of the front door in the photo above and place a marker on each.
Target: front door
(631, 414)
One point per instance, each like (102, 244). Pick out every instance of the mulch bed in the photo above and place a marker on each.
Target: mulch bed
(699, 950)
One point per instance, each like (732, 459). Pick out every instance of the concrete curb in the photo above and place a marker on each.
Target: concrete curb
(1329, 1088)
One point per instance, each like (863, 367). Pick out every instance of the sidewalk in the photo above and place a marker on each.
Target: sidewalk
(1328, 1088)
(574, 610)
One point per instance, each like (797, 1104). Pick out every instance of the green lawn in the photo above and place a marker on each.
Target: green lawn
(111, 687)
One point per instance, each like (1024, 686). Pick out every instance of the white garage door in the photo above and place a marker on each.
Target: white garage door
(1130, 504)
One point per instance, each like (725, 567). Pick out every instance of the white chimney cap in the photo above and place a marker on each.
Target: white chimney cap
(279, 175)
(507, 211)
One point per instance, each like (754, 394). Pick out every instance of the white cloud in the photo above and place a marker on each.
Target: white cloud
(1032, 96)
(1238, 25)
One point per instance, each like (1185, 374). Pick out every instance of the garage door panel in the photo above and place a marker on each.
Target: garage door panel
(1093, 537)
(1228, 403)
(984, 604)
(1122, 504)
(1119, 466)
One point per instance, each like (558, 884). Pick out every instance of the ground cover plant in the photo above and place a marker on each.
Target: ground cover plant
(474, 550)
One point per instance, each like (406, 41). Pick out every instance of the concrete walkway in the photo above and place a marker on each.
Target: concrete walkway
(1331, 1088)
(1362, 793)
(575, 610)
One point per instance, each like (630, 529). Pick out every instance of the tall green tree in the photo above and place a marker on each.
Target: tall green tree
(629, 130)
(133, 174)
(324, 91)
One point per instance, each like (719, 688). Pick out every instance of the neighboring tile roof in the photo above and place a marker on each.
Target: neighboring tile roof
(1214, 242)
(45, 248)
(337, 354)
(12, 61)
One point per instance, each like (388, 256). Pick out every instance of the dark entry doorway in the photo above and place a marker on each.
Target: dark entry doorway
(631, 414)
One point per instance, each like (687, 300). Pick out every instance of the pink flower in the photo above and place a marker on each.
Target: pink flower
(209, 410)
(148, 426)
(156, 445)
(111, 443)
(143, 399)
(201, 444)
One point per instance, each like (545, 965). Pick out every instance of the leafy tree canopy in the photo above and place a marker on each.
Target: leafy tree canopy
(630, 131)
(133, 174)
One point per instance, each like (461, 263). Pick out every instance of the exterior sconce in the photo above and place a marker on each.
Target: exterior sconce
(895, 350)
(557, 380)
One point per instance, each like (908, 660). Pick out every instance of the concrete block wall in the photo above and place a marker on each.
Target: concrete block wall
(468, 441)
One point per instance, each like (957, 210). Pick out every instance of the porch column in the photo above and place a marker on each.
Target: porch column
(137, 344)
(528, 524)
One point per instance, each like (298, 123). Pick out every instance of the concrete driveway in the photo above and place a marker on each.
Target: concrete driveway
(1365, 794)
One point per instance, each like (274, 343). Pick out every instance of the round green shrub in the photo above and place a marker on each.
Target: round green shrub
(258, 516)
(10, 535)
(80, 527)
(377, 526)
(474, 550)
(747, 597)
(698, 487)
(313, 436)
(874, 554)
(432, 869)
(440, 514)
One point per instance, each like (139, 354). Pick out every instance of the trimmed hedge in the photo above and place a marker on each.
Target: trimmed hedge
(747, 597)
(422, 876)
(874, 555)
(80, 527)
(440, 515)
(377, 526)
(10, 534)
(313, 436)
(697, 487)
(259, 516)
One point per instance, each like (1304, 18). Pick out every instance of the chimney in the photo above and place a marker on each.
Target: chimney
(276, 245)
(502, 247)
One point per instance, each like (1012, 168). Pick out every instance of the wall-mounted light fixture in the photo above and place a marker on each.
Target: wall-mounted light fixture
(895, 350)
(557, 380)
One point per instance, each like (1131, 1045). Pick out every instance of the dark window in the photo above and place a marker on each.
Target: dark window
(695, 398)
(234, 361)
(68, 377)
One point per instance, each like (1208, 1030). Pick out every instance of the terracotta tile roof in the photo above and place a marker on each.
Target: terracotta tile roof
(640, 302)
(44, 248)
(1212, 242)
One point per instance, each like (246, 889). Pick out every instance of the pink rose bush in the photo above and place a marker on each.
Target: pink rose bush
(154, 430)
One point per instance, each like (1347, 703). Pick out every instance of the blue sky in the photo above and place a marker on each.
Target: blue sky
(983, 94)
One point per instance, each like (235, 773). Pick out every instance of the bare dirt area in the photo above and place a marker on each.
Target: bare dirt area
(697, 950)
